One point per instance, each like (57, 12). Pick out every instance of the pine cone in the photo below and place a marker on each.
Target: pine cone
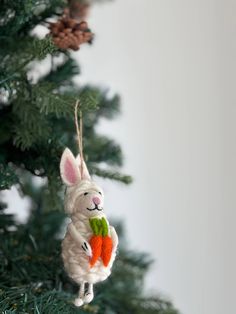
(68, 33)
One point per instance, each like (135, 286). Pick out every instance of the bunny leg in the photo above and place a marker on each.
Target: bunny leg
(88, 297)
(79, 301)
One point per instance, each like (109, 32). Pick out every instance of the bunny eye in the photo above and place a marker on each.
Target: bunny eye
(100, 193)
(86, 193)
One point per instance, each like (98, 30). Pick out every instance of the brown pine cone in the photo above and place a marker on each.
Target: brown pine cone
(67, 30)
(60, 25)
(72, 23)
(67, 33)
(83, 26)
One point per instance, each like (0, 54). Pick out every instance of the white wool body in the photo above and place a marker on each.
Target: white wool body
(76, 262)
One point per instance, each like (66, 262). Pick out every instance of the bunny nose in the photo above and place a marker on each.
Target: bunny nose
(96, 200)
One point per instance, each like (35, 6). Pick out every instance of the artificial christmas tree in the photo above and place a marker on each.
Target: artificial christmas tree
(36, 124)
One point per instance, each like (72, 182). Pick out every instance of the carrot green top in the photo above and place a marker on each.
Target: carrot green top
(99, 226)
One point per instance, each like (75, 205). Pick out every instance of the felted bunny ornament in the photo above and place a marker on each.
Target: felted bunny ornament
(90, 243)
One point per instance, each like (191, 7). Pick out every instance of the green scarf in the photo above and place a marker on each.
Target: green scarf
(99, 226)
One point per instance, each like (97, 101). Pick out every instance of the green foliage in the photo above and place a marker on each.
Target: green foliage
(7, 177)
(36, 124)
(62, 73)
(18, 17)
(113, 175)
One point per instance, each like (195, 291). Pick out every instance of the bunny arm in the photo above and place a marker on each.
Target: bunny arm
(114, 237)
(79, 239)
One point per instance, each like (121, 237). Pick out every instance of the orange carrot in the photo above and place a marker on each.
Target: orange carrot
(96, 246)
(106, 250)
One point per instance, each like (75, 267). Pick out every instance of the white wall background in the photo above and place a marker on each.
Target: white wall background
(173, 62)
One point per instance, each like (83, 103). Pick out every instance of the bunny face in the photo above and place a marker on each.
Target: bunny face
(86, 198)
(82, 195)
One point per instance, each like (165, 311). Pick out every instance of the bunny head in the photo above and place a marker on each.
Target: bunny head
(83, 196)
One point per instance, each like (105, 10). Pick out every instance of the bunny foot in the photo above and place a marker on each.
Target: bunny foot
(78, 302)
(88, 297)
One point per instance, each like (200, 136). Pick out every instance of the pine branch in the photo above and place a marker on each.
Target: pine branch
(113, 175)
(64, 73)
(40, 48)
(109, 107)
(89, 98)
(30, 126)
(19, 16)
(50, 101)
(102, 149)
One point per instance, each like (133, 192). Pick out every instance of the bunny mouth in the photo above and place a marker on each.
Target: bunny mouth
(95, 208)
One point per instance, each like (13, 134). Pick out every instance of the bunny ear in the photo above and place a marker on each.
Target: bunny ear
(69, 169)
(86, 175)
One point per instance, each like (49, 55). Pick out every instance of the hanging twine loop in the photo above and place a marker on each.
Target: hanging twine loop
(79, 131)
